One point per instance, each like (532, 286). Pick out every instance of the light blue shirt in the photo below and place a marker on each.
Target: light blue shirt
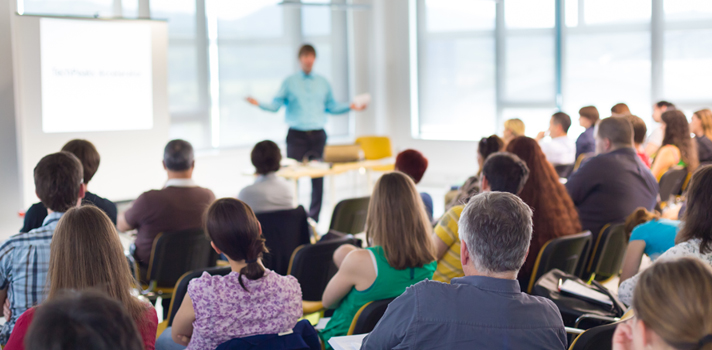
(308, 98)
(658, 235)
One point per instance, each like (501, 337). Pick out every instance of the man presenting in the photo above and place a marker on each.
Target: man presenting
(308, 98)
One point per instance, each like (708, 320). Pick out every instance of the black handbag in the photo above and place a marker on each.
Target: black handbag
(572, 307)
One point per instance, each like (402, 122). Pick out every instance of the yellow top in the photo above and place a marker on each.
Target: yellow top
(449, 266)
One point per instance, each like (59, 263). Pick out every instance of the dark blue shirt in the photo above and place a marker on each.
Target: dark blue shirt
(585, 143)
(428, 202)
(609, 187)
(473, 312)
(704, 149)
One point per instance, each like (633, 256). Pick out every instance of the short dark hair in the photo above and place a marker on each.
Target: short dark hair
(562, 119)
(617, 129)
(489, 145)
(620, 108)
(412, 163)
(82, 321)
(265, 157)
(590, 113)
(639, 128)
(58, 178)
(87, 154)
(178, 155)
(505, 172)
(665, 104)
(306, 49)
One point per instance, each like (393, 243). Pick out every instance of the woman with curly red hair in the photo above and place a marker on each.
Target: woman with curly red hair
(554, 212)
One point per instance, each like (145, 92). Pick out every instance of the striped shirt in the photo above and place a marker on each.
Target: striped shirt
(449, 266)
(24, 261)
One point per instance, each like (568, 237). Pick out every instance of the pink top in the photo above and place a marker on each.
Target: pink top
(224, 310)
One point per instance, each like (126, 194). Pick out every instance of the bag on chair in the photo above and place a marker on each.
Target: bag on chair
(572, 307)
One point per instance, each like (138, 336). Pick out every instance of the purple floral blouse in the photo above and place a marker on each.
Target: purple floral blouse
(224, 310)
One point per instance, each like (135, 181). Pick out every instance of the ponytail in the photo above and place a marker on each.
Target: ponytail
(233, 227)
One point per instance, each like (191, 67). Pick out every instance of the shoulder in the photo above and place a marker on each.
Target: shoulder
(548, 310)
(288, 284)
(687, 248)
(668, 150)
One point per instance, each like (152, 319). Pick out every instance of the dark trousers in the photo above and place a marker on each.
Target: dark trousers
(309, 145)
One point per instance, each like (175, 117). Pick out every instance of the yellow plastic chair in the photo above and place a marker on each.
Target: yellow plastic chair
(375, 147)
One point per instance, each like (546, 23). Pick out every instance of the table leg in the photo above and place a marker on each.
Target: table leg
(369, 177)
(332, 192)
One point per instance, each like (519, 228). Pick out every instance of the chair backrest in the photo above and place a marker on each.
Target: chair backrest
(284, 231)
(375, 147)
(313, 266)
(350, 215)
(175, 253)
(303, 337)
(582, 159)
(561, 253)
(564, 170)
(596, 338)
(671, 182)
(368, 316)
(608, 252)
(182, 287)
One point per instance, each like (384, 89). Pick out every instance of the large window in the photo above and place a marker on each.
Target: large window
(481, 62)
(222, 51)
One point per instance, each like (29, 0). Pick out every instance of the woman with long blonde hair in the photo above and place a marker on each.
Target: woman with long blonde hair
(86, 253)
(672, 308)
(400, 254)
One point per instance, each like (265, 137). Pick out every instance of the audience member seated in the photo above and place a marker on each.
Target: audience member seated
(485, 148)
(655, 140)
(24, 258)
(85, 254)
(611, 185)
(88, 155)
(502, 172)
(701, 126)
(512, 128)
(554, 212)
(251, 300)
(414, 164)
(588, 116)
(695, 236)
(83, 321)
(178, 206)
(639, 132)
(672, 308)
(401, 254)
(486, 309)
(678, 148)
(620, 110)
(269, 192)
(648, 234)
(561, 150)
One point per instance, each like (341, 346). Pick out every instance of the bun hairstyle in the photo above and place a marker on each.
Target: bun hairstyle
(233, 227)
(489, 145)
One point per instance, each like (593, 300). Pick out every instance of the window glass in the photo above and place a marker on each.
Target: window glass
(617, 11)
(530, 13)
(459, 15)
(572, 13)
(316, 20)
(89, 8)
(530, 68)
(535, 119)
(683, 10)
(687, 68)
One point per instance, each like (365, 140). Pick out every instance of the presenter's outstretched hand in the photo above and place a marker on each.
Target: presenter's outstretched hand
(253, 101)
(358, 108)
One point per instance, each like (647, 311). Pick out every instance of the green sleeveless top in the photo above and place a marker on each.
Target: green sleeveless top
(389, 283)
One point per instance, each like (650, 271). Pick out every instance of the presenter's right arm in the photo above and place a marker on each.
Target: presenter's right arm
(277, 102)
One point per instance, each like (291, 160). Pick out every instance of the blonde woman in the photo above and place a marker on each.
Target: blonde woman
(86, 253)
(401, 254)
(701, 126)
(512, 128)
(672, 308)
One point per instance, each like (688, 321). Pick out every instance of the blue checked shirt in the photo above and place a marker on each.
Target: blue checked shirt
(24, 261)
(308, 98)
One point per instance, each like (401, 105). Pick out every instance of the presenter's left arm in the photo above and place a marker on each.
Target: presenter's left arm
(334, 107)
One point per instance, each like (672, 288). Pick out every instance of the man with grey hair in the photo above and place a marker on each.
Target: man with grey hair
(486, 309)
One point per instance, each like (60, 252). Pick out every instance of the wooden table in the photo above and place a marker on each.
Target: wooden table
(316, 170)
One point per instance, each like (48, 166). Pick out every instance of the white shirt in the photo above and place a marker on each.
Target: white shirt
(560, 150)
(656, 137)
(180, 183)
(268, 193)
